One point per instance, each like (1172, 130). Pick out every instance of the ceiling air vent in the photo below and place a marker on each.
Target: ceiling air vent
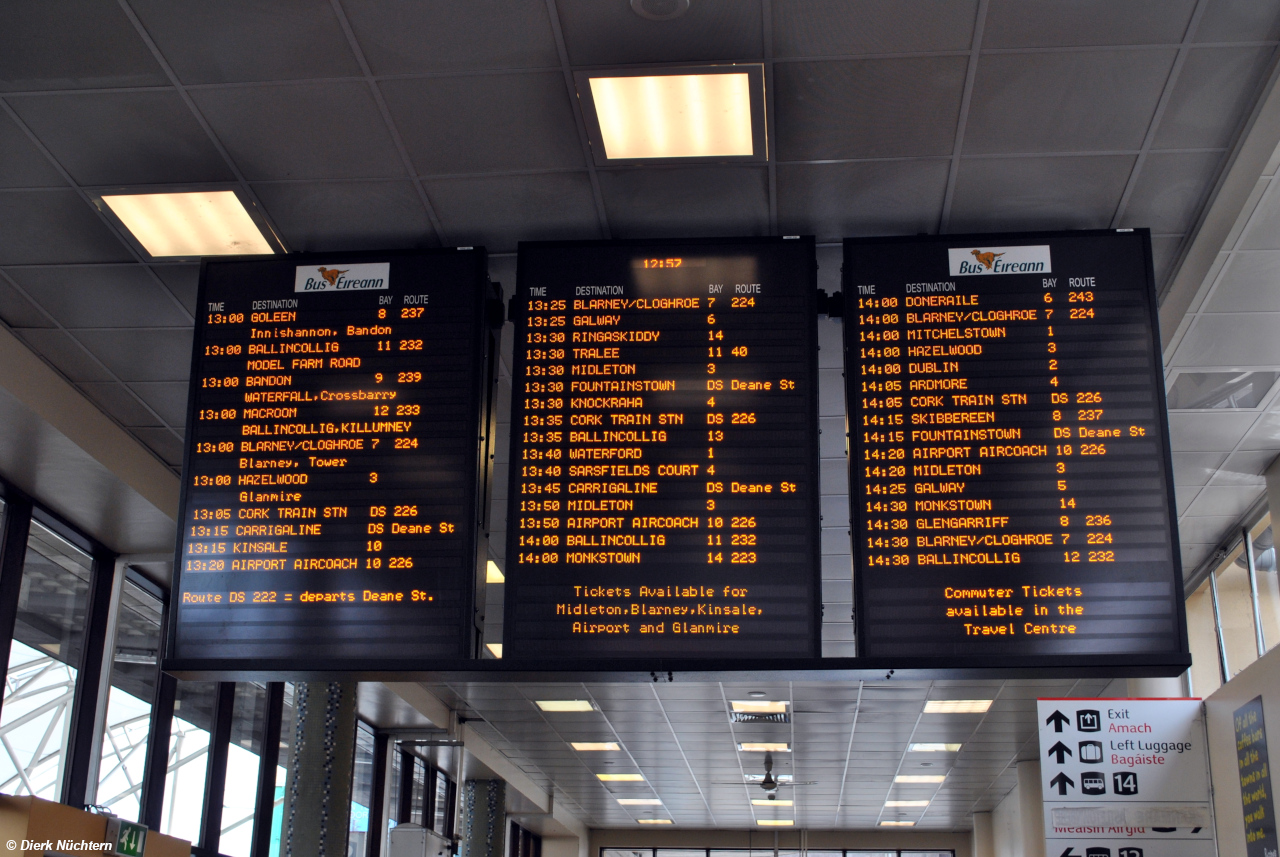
(750, 717)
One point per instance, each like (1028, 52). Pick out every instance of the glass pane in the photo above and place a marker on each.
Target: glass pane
(1235, 603)
(1202, 635)
(393, 791)
(133, 684)
(440, 819)
(1264, 560)
(43, 661)
(419, 813)
(626, 852)
(188, 759)
(361, 792)
(287, 724)
(244, 752)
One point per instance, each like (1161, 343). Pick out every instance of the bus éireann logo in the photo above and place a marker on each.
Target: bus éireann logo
(363, 277)
(985, 261)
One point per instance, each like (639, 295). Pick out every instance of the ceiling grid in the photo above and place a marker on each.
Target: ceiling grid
(579, 120)
(177, 86)
(971, 74)
(1165, 95)
(770, 112)
(848, 743)
(376, 92)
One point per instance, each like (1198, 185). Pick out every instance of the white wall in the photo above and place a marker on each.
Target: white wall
(1261, 678)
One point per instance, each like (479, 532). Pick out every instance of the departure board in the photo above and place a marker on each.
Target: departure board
(664, 479)
(1010, 478)
(333, 461)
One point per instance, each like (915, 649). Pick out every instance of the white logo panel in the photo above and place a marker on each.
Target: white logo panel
(370, 276)
(981, 261)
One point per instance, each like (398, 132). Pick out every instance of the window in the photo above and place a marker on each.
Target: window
(442, 805)
(1235, 604)
(1264, 553)
(133, 684)
(1202, 635)
(43, 663)
(193, 708)
(361, 792)
(240, 798)
(420, 793)
(393, 793)
(525, 843)
(758, 852)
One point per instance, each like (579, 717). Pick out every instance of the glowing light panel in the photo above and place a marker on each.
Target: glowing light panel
(674, 115)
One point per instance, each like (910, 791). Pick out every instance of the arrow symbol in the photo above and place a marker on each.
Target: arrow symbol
(1061, 751)
(1057, 719)
(1070, 852)
(1062, 781)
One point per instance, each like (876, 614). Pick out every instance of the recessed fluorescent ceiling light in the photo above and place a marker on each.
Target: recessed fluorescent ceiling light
(565, 705)
(919, 778)
(957, 706)
(935, 748)
(654, 821)
(674, 115)
(897, 824)
(758, 706)
(493, 574)
(639, 801)
(764, 747)
(208, 223)
(766, 802)
(621, 778)
(906, 803)
(495, 649)
(588, 746)
(774, 822)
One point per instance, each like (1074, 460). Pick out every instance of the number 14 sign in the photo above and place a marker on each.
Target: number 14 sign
(1125, 778)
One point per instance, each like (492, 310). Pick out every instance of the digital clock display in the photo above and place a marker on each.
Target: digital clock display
(335, 463)
(1011, 489)
(664, 481)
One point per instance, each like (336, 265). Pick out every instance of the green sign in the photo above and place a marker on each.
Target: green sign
(128, 839)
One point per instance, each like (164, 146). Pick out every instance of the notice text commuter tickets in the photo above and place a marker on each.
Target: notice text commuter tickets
(664, 451)
(1011, 490)
(332, 468)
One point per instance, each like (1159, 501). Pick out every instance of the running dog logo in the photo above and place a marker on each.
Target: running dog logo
(331, 274)
(987, 259)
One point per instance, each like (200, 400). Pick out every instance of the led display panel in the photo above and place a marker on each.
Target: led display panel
(1010, 478)
(333, 465)
(664, 479)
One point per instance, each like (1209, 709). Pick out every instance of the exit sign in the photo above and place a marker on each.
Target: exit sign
(126, 838)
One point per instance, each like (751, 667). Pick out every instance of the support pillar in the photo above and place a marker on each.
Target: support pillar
(317, 794)
(1031, 808)
(984, 840)
(484, 818)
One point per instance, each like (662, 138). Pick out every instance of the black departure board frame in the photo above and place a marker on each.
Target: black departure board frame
(664, 452)
(351, 394)
(1013, 539)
